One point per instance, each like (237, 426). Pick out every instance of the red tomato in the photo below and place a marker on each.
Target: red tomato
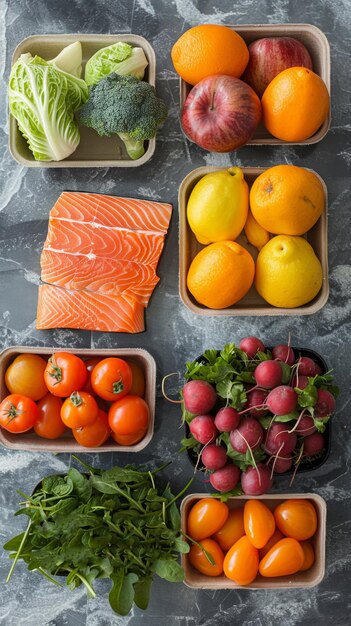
(232, 530)
(79, 410)
(199, 560)
(258, 522)
(90, 364)
(18, 413)
(241, 562)
(277, 536)
(111, 379)
(94, 434)
(286, 557)
(25, 376)
(49, 423)
(128, 419)
(138, 379)
(296, 518)
(309, 556)
(64, 374)
(206, 517)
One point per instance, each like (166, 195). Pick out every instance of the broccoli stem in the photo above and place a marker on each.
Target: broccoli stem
(134, 148)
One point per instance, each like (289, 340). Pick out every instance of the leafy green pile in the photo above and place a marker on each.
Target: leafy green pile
(109, 524)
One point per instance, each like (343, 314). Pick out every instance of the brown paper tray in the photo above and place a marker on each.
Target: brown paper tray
(93, 150)
(252, 303)
(308, 578)
(30, 441)
(318, 46)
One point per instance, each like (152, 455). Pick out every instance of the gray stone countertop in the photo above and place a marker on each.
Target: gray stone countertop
(173, 333)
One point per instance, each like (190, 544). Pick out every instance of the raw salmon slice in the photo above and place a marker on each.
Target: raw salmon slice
(60, 308)
(109, 276)
(104, 241)
(113, 211)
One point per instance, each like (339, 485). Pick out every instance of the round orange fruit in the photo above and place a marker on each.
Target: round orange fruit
(295, 104)
(287, 200)
(221, 274)
(209, 49)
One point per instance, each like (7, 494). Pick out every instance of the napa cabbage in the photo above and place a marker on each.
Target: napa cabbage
(120, 58)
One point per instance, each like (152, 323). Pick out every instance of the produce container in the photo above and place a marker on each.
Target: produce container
(317, 45)
(66, 443)
(308, 578)
(305, 465)
(93, 150)
(252, 303)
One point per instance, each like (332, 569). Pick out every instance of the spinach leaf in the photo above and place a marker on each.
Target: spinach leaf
(169, 569)
(121, 596)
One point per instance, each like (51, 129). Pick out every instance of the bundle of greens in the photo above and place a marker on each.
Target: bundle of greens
(106, 524)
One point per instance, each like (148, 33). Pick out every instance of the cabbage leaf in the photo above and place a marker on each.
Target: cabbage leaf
(120, 58)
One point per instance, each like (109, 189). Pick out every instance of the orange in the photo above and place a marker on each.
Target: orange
(287, 200)
(221, 274)
(295, 104)
(209, 49)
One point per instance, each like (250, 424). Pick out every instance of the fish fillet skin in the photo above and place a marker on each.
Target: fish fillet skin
(104, 242)
(113, 211)
(85, 310)
(109, 276)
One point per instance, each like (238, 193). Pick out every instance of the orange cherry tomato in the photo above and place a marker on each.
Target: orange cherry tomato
(49, 424)
(129, 418)
(286, 557)
(111, 379)
(95, 434)
(64, 374)
(90, 364)
(128, 440)
(296, 518)
(241, 562)
(25, 376)
(277, 536)
(309, 556)
(259, 522)
(18, 413)
(199, 560)
(79, 409)
(138, 379)
(206, 517)
(232, 530)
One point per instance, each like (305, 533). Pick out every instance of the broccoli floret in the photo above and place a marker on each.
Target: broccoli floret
(125, 106)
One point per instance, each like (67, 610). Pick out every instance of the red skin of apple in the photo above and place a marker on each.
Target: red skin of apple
(221, 113)
(270, 56)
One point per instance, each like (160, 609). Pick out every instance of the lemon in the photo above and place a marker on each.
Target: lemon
(218, 206)
(288, 273)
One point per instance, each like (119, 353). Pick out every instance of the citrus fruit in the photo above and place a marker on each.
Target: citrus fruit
(218, 205)
(209, 49)
(295, 104)
(287, 200)
(288, 273)
(255, 234)
(221, 274)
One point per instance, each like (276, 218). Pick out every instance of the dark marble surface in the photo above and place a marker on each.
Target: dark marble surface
(173, 333)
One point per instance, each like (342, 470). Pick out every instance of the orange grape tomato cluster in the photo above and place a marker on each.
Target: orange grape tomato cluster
(96, 398)
(244, 542)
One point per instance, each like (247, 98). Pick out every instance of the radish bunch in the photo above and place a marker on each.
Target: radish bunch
(253, 412)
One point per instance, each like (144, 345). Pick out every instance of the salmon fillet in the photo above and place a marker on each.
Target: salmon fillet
(60, 308)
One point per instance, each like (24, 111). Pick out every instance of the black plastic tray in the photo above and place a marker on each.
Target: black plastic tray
(304, 466)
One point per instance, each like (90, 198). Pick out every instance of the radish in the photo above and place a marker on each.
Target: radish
(279, 440)
(282, 400)
(313, 444)
(251, 345)
(227, 419)
(226, 478)
(268, 374)
(214, 457)
(307, 367)
(299, 381)
(284, 353)
(256, 481)
(248, 435)
(305, 426)
(255, 399)
(199, 397)
(281, 464)
(203, 428)
(325, 404)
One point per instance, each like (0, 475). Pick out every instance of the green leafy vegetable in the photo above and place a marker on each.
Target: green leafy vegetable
(69, 59)
(120, 58)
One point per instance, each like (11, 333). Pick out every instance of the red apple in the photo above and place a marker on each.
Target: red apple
(221, 113)
(270, 56)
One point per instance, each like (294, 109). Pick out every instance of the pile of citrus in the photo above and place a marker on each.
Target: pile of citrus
(285, 201)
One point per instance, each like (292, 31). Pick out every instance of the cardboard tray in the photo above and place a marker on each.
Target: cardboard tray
(318, 46)
(308, 578)
(93, 150)
(66, 443)
(252, 303)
